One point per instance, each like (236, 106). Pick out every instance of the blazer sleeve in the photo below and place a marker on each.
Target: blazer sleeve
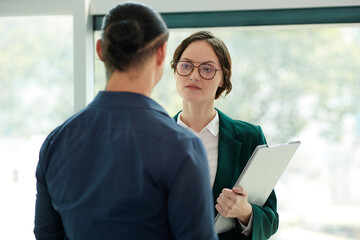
(265, 218)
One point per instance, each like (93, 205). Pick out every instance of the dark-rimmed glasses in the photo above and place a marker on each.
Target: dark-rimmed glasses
(206, 71)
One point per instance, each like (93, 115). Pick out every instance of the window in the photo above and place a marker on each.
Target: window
(298, 83)
(36, 66)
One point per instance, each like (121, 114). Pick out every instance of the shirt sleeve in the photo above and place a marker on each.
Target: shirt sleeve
(48, 224)
(246, 230)
(190, 207)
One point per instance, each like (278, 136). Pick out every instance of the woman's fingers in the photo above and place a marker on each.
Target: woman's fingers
(233, 203)
(239, 190)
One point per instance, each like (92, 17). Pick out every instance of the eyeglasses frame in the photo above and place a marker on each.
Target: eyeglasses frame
(198, 67)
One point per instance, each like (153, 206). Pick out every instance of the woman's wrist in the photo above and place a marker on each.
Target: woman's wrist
(244, 219)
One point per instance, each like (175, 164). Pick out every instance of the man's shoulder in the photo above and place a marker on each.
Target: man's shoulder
(56, 131)
(174, 133)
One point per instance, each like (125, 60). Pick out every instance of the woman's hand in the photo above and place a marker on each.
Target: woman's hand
(234, 204)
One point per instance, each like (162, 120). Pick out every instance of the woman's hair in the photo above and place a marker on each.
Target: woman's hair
(220, 50)
(130, 34)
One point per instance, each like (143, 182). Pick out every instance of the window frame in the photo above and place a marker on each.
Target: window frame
(238, 18)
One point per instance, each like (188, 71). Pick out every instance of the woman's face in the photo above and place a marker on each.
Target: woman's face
(194, 88)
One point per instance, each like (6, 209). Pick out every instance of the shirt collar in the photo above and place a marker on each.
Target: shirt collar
(213, 125)
(125, 99)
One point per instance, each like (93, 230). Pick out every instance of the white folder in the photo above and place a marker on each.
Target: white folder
(260, 175)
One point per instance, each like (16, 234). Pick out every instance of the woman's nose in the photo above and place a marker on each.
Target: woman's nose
(194, 75)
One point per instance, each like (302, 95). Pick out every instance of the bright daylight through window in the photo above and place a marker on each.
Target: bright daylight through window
(36, 66)
(298, 83)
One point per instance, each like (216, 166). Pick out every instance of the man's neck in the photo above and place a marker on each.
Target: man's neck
(136, 81)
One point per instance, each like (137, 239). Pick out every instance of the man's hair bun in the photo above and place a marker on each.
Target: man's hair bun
(125, 37)
(130, 33)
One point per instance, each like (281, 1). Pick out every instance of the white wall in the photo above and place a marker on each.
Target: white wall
(102, 6)
(64, 7)
(35, 7)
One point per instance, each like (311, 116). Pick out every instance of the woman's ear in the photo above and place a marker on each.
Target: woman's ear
(221, 83)
(99, 49)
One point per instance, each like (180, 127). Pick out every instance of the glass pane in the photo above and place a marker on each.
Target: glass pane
(36, 66)
(298, 83)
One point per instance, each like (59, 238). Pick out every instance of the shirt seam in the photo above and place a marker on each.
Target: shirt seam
(131, 129)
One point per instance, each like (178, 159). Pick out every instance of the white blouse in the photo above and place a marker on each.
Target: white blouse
(209, 136)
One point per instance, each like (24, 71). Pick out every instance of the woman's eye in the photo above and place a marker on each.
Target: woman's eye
(207, 68)
(186, 65)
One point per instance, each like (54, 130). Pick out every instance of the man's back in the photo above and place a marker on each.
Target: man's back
(123, 169)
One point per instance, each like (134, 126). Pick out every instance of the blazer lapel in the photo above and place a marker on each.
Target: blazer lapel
(228, 156)
(176, 116)
(228, 168)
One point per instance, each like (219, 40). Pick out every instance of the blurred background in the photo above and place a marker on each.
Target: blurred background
(299, 80)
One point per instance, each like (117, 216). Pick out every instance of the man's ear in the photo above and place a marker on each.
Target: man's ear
(99, 49)
(161, 54)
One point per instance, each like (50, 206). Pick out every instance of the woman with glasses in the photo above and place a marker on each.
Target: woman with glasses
(202, 67)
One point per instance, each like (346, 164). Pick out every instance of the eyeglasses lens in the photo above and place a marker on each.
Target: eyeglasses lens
(184, 68)
(205, 71)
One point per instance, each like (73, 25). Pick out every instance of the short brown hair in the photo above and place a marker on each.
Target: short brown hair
(220, 50)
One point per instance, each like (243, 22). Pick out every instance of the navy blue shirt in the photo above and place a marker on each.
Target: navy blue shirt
(123, 169)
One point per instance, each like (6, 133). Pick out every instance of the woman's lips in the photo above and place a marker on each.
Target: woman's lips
(193, 87)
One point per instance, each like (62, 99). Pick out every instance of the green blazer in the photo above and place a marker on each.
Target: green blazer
(237, 141)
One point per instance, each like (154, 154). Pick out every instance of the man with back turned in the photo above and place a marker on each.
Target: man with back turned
(121, 168)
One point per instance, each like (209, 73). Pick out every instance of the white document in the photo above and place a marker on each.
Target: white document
(260, 175)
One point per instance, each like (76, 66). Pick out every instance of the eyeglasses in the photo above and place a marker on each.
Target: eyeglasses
(206, 71)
